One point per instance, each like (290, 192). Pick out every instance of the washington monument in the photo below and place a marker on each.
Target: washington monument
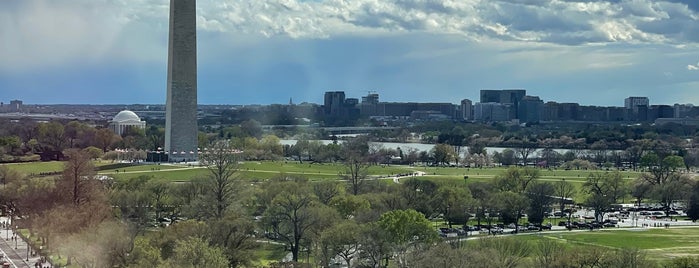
(181, 105)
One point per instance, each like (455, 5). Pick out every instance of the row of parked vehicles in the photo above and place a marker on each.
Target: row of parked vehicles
(492, 229)
(608, 223)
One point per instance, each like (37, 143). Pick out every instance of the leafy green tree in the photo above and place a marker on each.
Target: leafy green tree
(418, 193)
(506, 157)
(342, 239)
(406, 229)
(453, 203)
(159, 193)
(52, 135)
(234, 235)
(196, 252)
(349, 206)
(661, 169)
(481, 192)
(144, 254)
(674, 189)
(516, 179)
(693, 203)
(271, 147)
(251, 128)
(511, 206)
(375, 245)
(443, 154)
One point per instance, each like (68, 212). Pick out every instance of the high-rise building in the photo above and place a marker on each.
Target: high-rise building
(15, 106)
(181, 104)
(371, 98)
(466, 110)
(334, 103)
(633, 102)
(491, 112)
(530, 109)
(505, 96)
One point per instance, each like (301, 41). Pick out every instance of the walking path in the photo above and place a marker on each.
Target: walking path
(16, 251)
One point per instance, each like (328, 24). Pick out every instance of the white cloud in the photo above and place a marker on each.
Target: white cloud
(38, 33)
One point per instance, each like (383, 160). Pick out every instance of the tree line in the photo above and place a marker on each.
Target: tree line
(219, 220)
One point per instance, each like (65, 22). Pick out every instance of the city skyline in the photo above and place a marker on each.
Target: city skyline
(589, 52)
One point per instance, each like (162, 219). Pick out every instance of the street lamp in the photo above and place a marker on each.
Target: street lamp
(7, 227)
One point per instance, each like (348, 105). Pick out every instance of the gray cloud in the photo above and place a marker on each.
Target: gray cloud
(44, 32)
(550, 21)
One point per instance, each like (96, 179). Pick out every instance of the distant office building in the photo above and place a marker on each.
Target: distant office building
(505, 96)
(685, 110)
(371, 107)
(124, 120)
(661, 111)
(491, 112)
(554, 111)
(337, 110)
(466, 110)
(633, 102)
(530, 109)
(15, 106)
(372, 98)
(334, 102)
(428, 115)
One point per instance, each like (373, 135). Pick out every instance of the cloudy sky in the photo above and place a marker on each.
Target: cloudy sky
(595, 52)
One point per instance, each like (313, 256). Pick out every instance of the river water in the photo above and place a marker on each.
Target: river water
(418, 146)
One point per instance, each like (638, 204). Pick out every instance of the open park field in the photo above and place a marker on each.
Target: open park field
(255, 170)
(658, 243)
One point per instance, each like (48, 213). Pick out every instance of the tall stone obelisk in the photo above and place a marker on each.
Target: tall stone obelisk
(181, 105)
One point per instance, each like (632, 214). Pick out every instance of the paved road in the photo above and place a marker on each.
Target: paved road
(16, 252)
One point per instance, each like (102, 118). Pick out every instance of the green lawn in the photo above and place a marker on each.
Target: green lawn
(260, 170)
(252, 170)
(43, 167)
(269, 253)
(658, 243)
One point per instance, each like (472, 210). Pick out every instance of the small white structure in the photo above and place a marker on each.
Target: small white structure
(124, 120)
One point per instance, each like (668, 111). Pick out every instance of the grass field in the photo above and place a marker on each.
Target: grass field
(269, 253)
(267, 169)
(658, 243)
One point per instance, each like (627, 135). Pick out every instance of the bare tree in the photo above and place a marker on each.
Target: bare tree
(291, 216)
(222, 163)
(356, 172)
(564, 190)
(78, 176)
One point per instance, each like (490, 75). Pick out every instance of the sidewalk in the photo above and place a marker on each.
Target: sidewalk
(17, 252)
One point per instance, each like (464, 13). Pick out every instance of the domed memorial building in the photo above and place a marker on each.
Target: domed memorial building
(126, 119)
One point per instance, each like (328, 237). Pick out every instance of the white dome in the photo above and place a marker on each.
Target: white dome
(125, 116)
